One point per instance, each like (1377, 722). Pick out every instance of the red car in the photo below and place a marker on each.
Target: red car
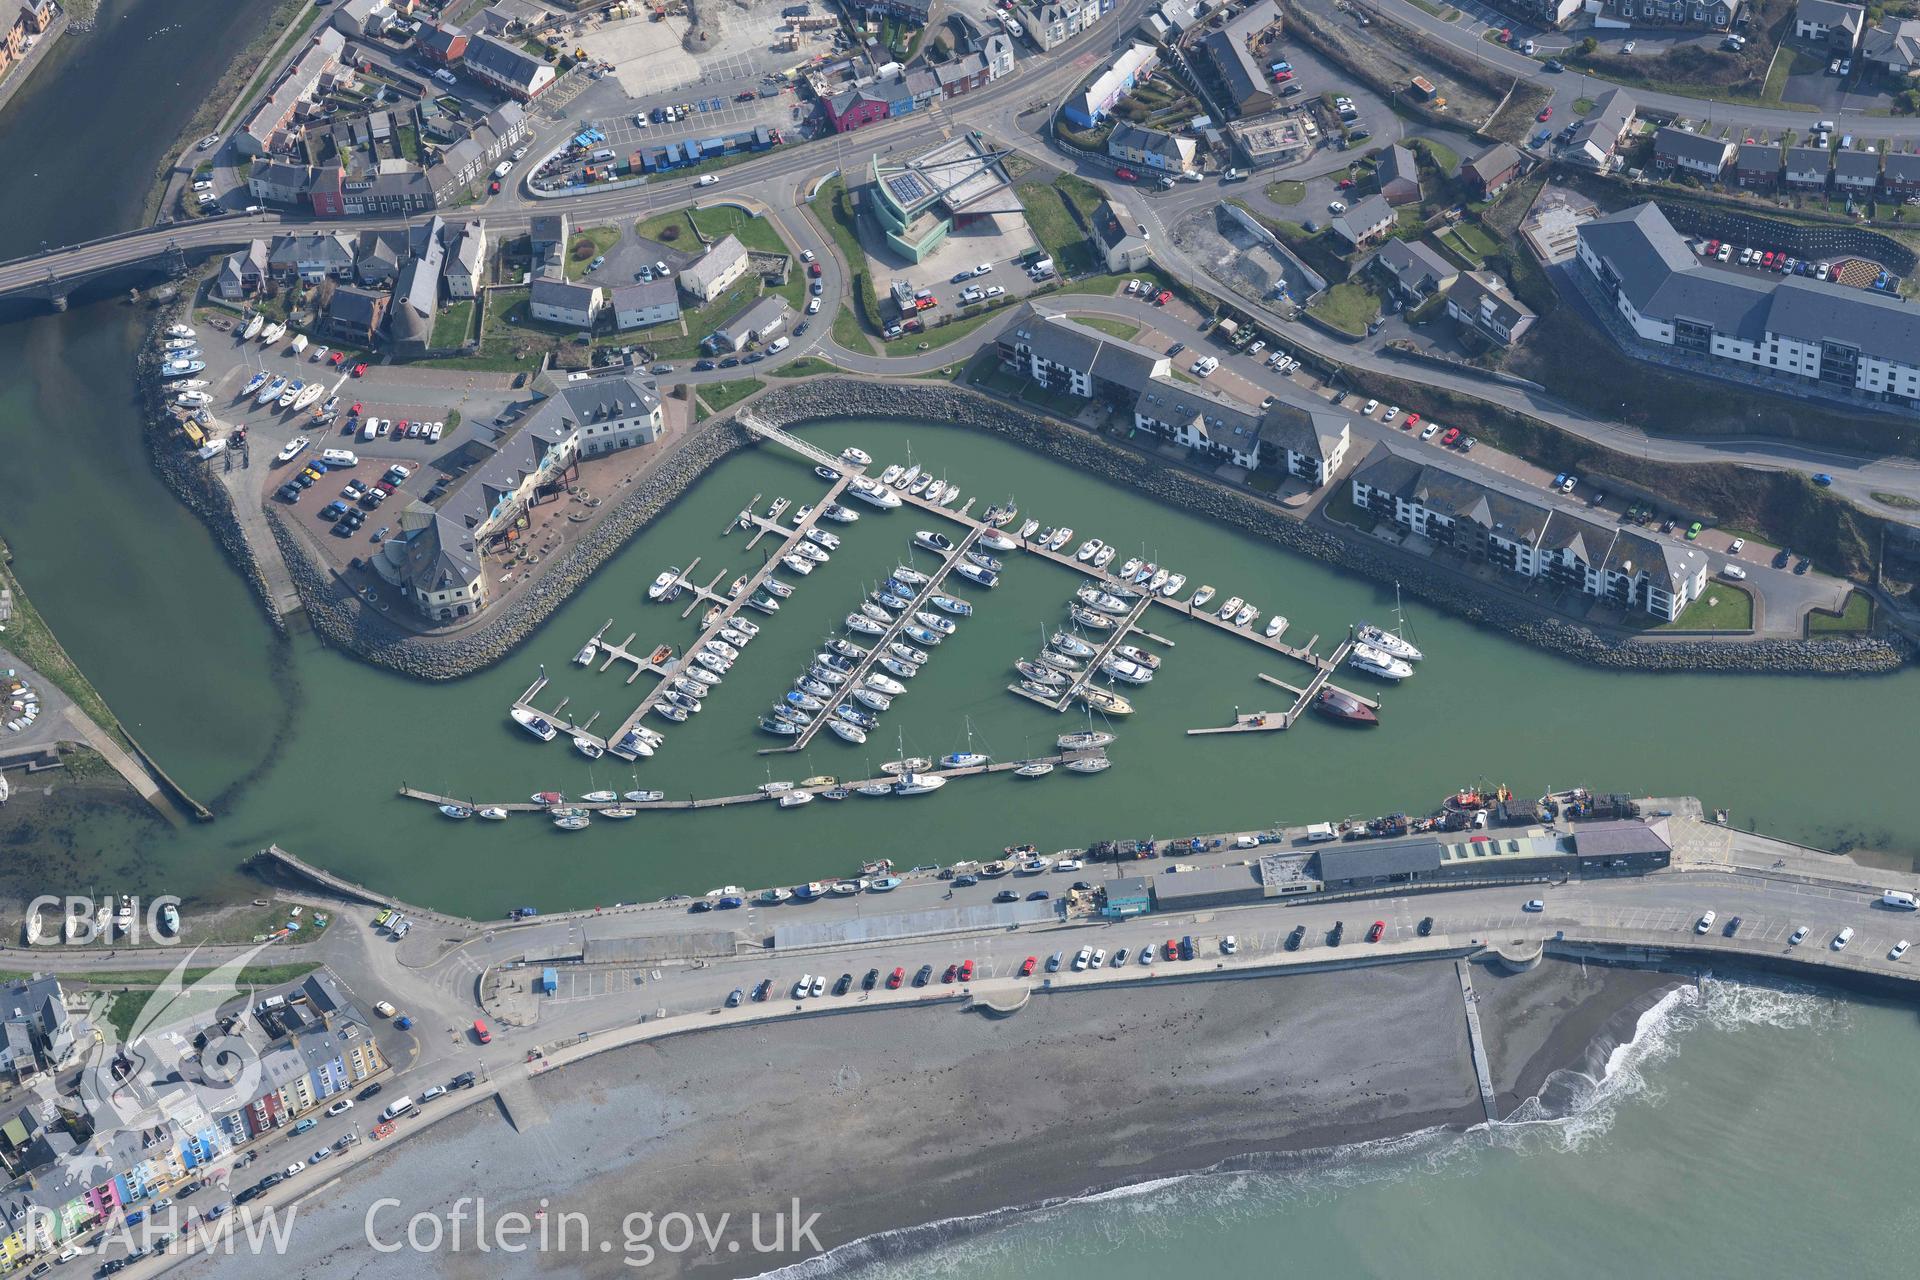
(1166, 296)
(1379, 927)
(927, 303)
(1506, 35)
(338, 358)
(1713, 247)
(1126, 175)
(494, 187)
(813, 269)
(1173, 949)
(1281, 77)
(1413, 419)
(1546, 114)
(966, 971)
(400, 427)
(481, 1033)
(1453, 433)
(895, 978)
(1026, 969)
(952, 971)
(1766, 259)
(359, 370)
(1344, 183)
(355, 411)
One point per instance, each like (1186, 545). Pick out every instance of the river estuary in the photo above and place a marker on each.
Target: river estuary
(291, 742)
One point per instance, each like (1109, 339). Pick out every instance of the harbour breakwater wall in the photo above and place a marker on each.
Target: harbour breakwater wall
(190, 478)
(348, 622)
(841, 398)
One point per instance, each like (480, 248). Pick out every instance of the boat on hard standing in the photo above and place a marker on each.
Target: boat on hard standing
(1378, 662)
(254, 383)
(272, 334)
(271, 391)
(1338, 704)
(884, 884)
(179, 331)
(534, 723)
(254, 325)
(182, 368)
(311, 392)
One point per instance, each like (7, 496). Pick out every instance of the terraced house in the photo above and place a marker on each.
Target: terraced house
(1814, 333)
(1153, 149)
(1054, 23)
(31, 18)
(1477, 516)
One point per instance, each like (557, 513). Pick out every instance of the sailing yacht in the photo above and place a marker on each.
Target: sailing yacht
(965, 759)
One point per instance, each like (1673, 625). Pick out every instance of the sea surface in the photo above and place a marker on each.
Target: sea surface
(1746, 1131)
(1759, 1133)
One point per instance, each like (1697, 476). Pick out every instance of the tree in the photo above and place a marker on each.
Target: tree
(1588, 46)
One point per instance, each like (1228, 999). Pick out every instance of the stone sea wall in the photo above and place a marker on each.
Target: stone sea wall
(186, 475)
(836, 398)
(352, 624)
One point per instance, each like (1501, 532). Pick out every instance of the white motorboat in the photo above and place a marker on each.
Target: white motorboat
(976, 574)
(874, 495)
(858, 457)
(1378, 662)
(1201, 597)
(847, 730)
(919, 487)
(1134, 653)
(794, 799)
(722, 648)
(1157, 581)
(1087, 740)
(534, 723)
(692, 688)
(1089, 619)
(492, 813)
(1130, 567)
(866, 626)
(1103, 557)
(585, 656)
(178, 344)
(906, 478)
(1245, 617)
(954, 605)
(745, 626)
(182, 369)
(1089, 549)
(811, 551)
(1034, 769)
(935, 542)
(458, 812)
(588, 747)
(1387, 642)
(984, 561)
(193, 399)
(839, 514)
(713, 662)
(1275, 625)
(907, 653)
(847, 649)
(948, 494)
(1130, 672)
(1068, 643)
(179, 331)
(666, 586)
(735, 637)
(1102, 601)
(291, 394)
(872, 699)
(826, 473)
(1174, 585)
(994, 540)
(934, 622)
(1231, 607)
(777, 588)
(1027, 529)
(1088, 764)
(885, 685)
(918, 784)
(798, 564)
(1059, 538)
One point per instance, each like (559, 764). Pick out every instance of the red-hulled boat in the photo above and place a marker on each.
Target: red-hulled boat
(1338, 704)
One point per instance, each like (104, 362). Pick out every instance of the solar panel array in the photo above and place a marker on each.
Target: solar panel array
(907, 189)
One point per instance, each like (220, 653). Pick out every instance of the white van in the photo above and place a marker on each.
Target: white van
(369, 428)
(402, 1106)
(1320, 832)
(779, 344)
(340, 457)
(1899, 901)
(445, 76)
(604, 153)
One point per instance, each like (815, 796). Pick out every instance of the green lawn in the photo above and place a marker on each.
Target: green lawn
(753, 232)
(718, 397)
(1721, 607)
(1288, 192)
(1443, 156)
(454, 325)
(602, 239)
(942, 335)
(1582, 106)
(1348, 307)
(1107, 324)
(1857, 616)
(847, 330)
(507, 347)
(803, 367)
(1054, 227)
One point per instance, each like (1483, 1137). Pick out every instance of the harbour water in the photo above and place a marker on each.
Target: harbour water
(1740, 1134)
(1770, 1138)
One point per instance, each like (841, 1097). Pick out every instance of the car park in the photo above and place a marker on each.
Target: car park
(1841, 939)
(1798, 936)
(1432, 429)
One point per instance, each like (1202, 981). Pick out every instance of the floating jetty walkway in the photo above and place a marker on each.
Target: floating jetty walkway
(725, 606)
(751, 797)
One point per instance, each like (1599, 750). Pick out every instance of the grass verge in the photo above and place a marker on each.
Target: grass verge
(1721, 607)
(805, 366)
(1856, 616)
(718, 397)
(1108, 324)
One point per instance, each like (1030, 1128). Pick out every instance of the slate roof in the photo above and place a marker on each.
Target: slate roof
(1157, 142)
(1827, 13)
(549, 291)
(511, 64)
(1366, 859)
(1474, 290)
(1757, 157)
(1612, 112)
(1895, 43)
(602, 399)
(1857, 165)
(1669, 565)
(1804, 160)
(1397, 165)
(1358, 219)
(1415, 263)
(1055, 338)
(1694, 147)
(1622, 837)
(714, 263)
(1491, 163)
(1903, 167)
